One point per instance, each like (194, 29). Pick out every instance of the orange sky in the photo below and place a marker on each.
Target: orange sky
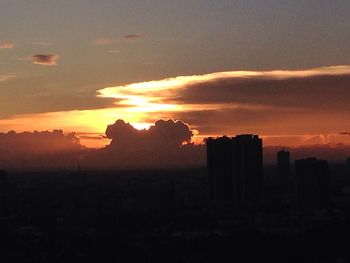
(279, 69)
(143, 103)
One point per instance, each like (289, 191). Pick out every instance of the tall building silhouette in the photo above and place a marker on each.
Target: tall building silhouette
(312, 185)
(220, 157)
(235, 168)
(283, 163)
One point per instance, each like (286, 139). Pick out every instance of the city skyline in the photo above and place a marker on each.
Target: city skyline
(174, 131)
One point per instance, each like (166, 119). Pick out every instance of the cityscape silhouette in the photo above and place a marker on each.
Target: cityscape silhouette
(174, 131)
(174, 214)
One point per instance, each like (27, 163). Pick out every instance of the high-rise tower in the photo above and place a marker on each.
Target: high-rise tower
(235, 168)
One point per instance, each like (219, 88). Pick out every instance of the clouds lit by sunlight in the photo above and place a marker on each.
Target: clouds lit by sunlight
(7, 45)
(270, 103)
(45, 59)
(6, 77)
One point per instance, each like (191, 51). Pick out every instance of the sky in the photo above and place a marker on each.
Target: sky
(280, 69)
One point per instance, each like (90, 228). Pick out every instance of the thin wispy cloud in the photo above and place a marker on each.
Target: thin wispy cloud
(105, 41)
(110, 41)
(132, 37)
(6, 45)
(41, 43)
(5, 77)
(45, 59)
(112, 51)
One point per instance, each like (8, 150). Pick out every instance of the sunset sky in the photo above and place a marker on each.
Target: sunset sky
(276, 68)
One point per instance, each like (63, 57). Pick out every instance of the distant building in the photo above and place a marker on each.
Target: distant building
(312, 185)
(235, 168)
(283, 163)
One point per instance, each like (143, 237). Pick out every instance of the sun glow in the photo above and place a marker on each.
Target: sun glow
(143, 103)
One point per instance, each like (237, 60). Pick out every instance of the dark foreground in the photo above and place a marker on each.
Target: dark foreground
(162, 216)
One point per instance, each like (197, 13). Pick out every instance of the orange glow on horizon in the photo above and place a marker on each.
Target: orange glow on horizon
(141, 104)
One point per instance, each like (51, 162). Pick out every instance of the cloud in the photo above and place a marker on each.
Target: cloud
(265, 102)
(113, 51)
(105, 41)
(41, 43)
(163, 133)
(38, 149)
(163, 144)
(315, 91)
(294, 105)
(109, 41)
(344, 133)
(132, 37)
(7, 45)
(279, 102)
(6, 77)
(45, 60)
(247, 88)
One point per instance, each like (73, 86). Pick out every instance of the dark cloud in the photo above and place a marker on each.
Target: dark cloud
(234, 121)
(38, 149)
(344, 133)
(169, 133)
(295, 105)
(320, 92)
(132, 37)
(45, 60)
(313, 101)
(109, 41)
(264, 121)
(164, 144)
(90, 136)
